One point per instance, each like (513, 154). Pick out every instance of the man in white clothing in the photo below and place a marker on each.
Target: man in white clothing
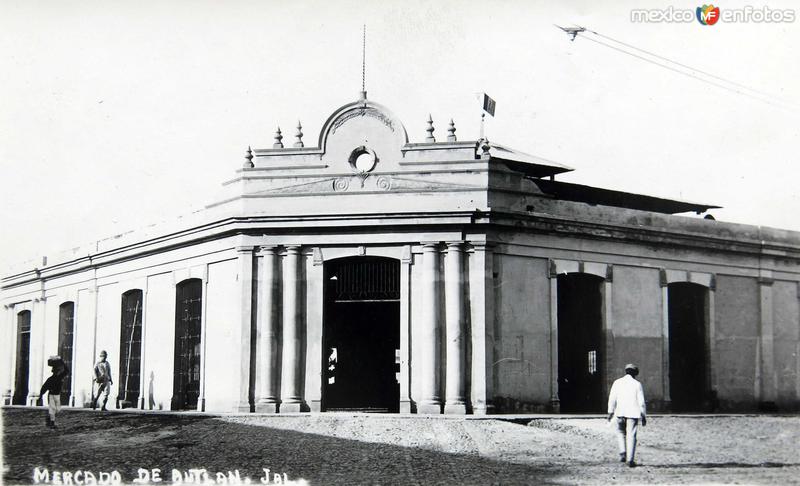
(626, 403)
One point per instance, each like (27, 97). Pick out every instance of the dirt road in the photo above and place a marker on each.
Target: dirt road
(385, 449)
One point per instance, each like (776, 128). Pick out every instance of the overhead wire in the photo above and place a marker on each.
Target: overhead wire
(782, 106)
(706, 73)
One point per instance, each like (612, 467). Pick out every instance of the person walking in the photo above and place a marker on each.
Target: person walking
(103, 381)
(626, 403)
(53, 386)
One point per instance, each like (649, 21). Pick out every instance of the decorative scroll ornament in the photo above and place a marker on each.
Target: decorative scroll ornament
(341, 184)
(384, 183)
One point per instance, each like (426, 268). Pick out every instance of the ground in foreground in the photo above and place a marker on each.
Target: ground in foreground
(384, 449)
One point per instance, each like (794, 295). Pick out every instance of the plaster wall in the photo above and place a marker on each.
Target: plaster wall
(84, 351)
(223, 337)
(737, 344)
(109, 314)
(635, 327)
(522, 334)
(159, 341)
(786, 301)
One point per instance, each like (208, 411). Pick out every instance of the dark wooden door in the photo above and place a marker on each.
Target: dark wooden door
(23, 358)
(188, 311)
(66, 324)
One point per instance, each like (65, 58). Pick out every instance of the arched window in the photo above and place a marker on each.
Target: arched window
(66, 328)
(23, 358)
(188, 311)
(130, 356)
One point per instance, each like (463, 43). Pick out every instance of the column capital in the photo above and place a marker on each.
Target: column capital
(406, 258)
(766, 281)
(430, 245)
(454, 245)
(245, 249)
(267, 250)
(9, 306)
(293, 249)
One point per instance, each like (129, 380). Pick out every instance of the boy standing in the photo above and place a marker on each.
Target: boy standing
(102, 378)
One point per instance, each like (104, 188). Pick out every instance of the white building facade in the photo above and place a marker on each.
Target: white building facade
(370, 273)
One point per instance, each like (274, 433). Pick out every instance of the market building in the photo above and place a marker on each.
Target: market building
(446, 276)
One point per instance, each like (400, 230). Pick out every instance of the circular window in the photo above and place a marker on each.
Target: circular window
(363, 159)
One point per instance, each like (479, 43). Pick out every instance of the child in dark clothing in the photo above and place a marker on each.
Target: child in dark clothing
(53, 386)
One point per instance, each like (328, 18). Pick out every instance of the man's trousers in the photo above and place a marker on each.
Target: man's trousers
(626, 436)
(53, 406)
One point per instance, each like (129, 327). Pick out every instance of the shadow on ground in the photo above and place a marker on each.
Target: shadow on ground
(128, 441)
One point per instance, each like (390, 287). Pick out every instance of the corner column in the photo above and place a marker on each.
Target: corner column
(430, 400)
(455, 394)
(245, 263)
(291, 395)
(267, 315)
(481, 277)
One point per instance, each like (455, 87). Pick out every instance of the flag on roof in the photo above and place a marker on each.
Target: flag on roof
(488, 104)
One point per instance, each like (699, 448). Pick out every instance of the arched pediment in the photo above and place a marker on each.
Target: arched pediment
(363, 116)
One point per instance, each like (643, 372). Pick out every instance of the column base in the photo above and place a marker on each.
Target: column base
(405, 406)
(267, 406)
(291, 407)
(555, 405)
(241, 407)
(33, 400)
(315, 406)
(430, 408)
(140, 405)
(458, 407)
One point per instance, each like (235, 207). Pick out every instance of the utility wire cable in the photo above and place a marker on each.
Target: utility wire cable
(733, 90)
(776, 98)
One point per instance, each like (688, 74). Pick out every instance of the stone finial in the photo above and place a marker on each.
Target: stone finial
(278, 139)
(249, 158)
(430, 138)
(299, 135)
(451, 132)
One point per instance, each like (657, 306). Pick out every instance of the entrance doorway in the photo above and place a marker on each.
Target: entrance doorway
(66, 321)
(186, 378)
(23, 358)
(130, 356)
(580, 344)
(687, 346)
(361, 335)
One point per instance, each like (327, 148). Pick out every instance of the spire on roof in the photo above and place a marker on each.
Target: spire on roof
(299, 135)
(451, 132)
(249, 158)
(278, 139)
(430, 138)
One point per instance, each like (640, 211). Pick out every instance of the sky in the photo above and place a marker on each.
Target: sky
(116, 115)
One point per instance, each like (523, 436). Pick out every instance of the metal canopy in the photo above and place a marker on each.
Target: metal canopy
(608, 197)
